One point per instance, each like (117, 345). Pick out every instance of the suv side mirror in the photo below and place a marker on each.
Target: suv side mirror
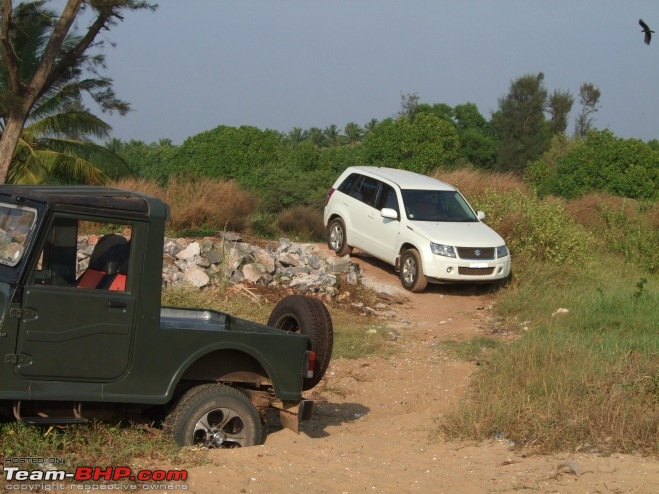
(480, 215)
(389, 213)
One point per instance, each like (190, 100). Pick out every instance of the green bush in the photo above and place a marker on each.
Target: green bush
(542, 230)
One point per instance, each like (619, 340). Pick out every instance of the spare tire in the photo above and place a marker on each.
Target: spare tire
(308, 316)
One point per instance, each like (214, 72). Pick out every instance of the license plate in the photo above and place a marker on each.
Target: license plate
(478, 265)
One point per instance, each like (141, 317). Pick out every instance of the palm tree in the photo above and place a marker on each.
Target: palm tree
(316, 136)
(353, 132)
(55, 148)
(55, 144)
(332, 134)
(296, 136)
(370, 125)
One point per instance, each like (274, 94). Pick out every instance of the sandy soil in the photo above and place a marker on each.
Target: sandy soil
(374, 421)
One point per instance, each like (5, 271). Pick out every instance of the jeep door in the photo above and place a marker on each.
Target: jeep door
(77, 326)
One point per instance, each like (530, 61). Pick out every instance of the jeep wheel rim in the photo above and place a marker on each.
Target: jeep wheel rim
(220, 428)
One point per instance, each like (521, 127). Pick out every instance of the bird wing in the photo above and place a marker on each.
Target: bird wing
(646, 29)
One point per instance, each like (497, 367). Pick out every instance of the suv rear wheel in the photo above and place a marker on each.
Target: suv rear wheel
(336, 237)
(411, 271)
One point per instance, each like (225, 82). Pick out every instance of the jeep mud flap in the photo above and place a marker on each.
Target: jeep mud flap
(291, 413)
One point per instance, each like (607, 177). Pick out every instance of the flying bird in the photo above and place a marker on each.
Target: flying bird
(646, 29)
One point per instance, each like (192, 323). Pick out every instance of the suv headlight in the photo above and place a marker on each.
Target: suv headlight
(442, 250)
(502, 251)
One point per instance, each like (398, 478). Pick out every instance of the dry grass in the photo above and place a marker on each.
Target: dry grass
(200, 204)
(592, 210)
(302, 221)
(476, 182)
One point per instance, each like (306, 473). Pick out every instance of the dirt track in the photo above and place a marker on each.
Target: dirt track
(373, 423)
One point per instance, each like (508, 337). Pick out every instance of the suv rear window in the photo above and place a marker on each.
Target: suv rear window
(16, 223)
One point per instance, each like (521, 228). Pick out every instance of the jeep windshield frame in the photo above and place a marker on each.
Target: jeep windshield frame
(16, 225)
(437, 205)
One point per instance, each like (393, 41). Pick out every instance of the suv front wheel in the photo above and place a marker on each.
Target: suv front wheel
(336, 237)
(411, 271)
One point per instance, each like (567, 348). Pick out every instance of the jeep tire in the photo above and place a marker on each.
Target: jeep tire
(214, 416)
(308, 316)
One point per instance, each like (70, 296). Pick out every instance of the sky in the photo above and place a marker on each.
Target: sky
(278, 64)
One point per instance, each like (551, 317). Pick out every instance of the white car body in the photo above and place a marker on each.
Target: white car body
(387, 212)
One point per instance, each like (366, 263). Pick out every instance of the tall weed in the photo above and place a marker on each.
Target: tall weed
(200, 204)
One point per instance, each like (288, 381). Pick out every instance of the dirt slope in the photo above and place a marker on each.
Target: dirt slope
(372, 430)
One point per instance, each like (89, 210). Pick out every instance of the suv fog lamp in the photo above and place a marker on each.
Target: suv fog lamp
(449, 269)
(442, 250)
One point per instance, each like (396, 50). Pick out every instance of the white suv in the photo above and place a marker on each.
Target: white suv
(422, 226)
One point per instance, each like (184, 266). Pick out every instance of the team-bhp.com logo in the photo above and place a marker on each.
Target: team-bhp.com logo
(91, 474)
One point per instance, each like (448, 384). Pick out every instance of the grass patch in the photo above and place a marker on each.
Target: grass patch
(476, 349)
(585, 378)
(94, 444)
(358, 341)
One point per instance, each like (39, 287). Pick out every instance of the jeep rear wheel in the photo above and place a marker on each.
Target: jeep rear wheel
(308, 316)
(337, 239)
(411, 271)
(215, 416)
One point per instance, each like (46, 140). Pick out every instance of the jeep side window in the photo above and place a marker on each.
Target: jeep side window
(72, 257)
(15, 226)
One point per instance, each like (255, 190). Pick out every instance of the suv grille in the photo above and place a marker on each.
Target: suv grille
(476, 252)
(475, 271)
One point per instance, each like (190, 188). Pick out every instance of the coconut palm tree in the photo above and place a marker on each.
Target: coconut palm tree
(354, 132)
(333, 135)
(55, 148)
(55, 144)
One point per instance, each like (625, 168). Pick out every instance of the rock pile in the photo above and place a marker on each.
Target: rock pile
(303, 267)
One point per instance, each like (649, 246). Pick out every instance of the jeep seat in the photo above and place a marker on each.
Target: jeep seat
(109, 255)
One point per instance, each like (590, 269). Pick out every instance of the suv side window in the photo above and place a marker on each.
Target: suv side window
(365, 190)
(348, 183)
(388, 198)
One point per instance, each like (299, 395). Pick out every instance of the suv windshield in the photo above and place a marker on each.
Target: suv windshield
(437, 205)
(15, 225)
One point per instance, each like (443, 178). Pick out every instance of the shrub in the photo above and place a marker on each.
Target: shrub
(540, 229)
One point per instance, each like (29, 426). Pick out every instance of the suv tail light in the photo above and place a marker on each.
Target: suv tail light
(330, 191)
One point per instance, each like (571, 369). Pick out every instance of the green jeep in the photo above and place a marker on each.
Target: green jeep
(92, 341)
